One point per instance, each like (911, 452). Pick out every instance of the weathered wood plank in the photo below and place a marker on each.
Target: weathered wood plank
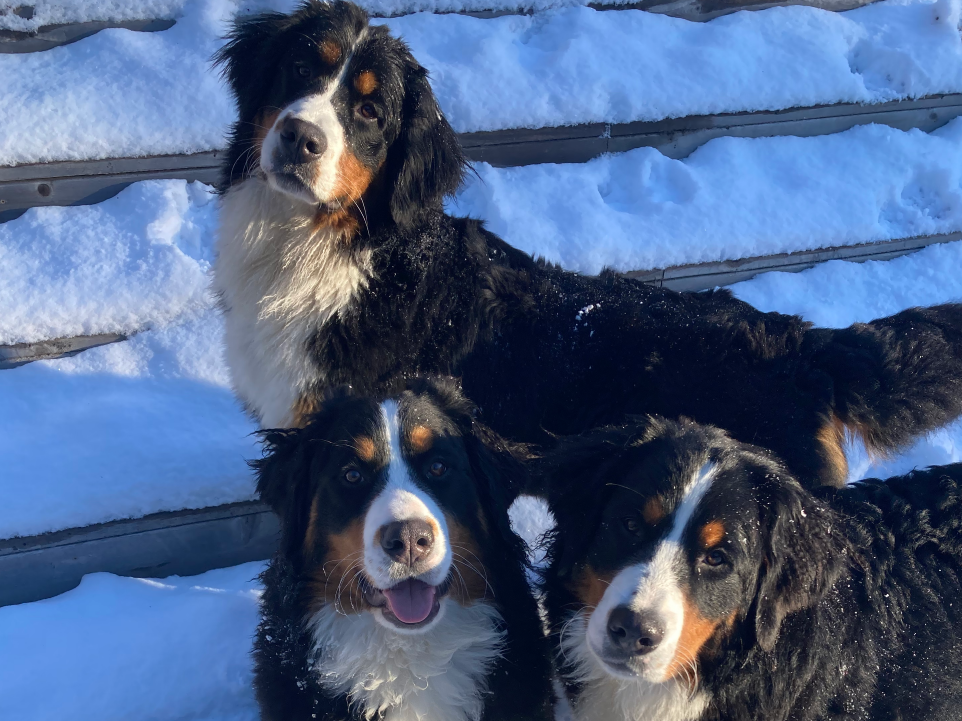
(182, 543)
(53, 36)
(18, 354)
(86, 182)
(702, 276)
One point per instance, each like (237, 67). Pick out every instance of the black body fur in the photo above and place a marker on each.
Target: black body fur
(545, 351)
(301, 465)
(851, 599)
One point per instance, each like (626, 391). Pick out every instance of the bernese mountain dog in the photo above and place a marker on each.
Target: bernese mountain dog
(336, 264)
(692, 577)
(399, 590)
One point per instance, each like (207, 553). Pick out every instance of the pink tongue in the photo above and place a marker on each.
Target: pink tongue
(411, 601)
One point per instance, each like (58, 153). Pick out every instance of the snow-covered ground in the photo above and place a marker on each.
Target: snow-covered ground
(732, 198)
(116, 649)
(137, 260)
(125, 93)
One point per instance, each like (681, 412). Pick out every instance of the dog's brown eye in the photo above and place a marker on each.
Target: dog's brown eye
(352, 476)
(714, 558)
(631, 524)
(437, 469)
(367, 111)
(302, 71)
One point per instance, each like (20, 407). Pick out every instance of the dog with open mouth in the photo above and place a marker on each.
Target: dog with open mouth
(692, 577)
(399, 590)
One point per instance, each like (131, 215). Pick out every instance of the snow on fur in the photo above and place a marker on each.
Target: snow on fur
(124, 93)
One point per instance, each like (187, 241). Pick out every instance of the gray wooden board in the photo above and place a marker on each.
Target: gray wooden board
(699, 276)
(191, 542)
(87, 182)
(182, 543)
(52, 36)
(18, 354)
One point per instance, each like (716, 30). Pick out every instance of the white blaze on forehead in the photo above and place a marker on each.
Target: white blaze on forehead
(319, 110)
(402, 500)
(653, 586)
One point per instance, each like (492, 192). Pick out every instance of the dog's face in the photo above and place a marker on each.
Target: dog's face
(335, 112)
(388, 508)
(669, 535)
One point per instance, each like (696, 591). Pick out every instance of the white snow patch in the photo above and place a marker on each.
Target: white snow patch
(116, 649)
(125, 93)
(837, 294)
(732, 198)
(122, 431)
(138, 259)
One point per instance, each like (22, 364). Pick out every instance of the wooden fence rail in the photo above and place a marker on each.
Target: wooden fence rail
(88, 182)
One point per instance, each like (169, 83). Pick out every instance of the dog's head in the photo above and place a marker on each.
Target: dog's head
(337, 114)
(393, 508)
(672, 538)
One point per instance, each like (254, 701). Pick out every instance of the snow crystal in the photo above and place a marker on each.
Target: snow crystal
(116, 649)
(124, 93)
(732, 198)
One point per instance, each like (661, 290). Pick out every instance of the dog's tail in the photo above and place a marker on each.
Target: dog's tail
(895, 378)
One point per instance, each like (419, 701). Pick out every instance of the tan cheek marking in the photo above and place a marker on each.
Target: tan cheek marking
(365, 448)
(353, 180)
(831, 437)
(696, 630)
(344, 550)
(469, 583)
(711, 534)
(654, 511)
(330, 51)
(589, 586)
(263, 122)
(366, 83)
(421, 439)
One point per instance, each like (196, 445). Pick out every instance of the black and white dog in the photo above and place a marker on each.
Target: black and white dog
(336, 264)
(691, 577)
(399, 590)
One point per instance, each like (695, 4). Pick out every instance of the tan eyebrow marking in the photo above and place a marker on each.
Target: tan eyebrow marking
(364, 447)
(711, 534)
(366, 83)
(330, 51)
(421, 439)
(653, 511)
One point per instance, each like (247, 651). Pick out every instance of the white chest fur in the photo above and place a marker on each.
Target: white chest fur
(438, 675)
(280, 279)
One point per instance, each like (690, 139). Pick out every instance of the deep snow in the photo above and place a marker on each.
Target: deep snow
(139, 259)
(732, 198)
(123, 93)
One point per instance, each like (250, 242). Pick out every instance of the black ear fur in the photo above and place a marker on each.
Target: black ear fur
(283, 480)
(238, 58)
(804, 555)
(425, 163)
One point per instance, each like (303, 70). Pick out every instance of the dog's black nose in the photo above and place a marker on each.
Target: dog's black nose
(407, 542)
(302, 141)
(633, 633)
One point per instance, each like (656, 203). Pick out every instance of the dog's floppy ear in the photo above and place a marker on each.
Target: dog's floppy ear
(425, 163)
(804, 554)
(283, 480)
(240, 58)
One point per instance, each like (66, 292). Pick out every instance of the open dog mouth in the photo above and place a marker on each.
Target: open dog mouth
(409, 604)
